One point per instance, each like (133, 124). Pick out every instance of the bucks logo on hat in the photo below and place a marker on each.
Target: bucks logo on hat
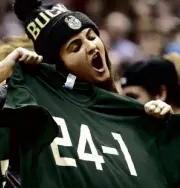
(73, 22)
(43, 18)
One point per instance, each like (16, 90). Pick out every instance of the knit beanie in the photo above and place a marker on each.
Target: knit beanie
(50, 26)
(151, 74)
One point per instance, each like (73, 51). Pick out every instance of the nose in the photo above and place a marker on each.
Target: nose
(90, 47)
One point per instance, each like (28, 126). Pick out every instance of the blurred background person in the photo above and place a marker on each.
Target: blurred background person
(153, 79)
(175, 59)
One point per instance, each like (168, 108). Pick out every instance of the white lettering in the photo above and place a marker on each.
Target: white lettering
(85, 137)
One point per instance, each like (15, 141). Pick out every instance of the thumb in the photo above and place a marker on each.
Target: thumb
(12, 57)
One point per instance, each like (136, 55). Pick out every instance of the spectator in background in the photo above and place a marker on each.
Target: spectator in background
(121, 49)
(152, 80)
(112, 54)
(10, 25)
(147, 33)
(165, 19)
(175, 59)
(105, 38)
(173, 43)
(118, 26)
(3, 9)
(152, 42)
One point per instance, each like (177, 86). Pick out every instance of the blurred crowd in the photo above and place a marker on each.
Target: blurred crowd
(132, 29)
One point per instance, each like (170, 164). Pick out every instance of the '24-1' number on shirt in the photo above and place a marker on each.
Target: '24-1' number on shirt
(85, 138)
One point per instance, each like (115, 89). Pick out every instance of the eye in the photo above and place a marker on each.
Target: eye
(75, 48)
(91, 36)
(132, 95)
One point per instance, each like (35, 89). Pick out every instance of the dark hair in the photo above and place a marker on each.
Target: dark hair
(173, 96)
(151, 74)
(173, 93)
(110, 84)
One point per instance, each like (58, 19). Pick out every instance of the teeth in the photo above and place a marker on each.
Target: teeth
(95, 56)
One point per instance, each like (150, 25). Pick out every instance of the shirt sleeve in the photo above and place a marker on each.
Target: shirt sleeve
(34, 124)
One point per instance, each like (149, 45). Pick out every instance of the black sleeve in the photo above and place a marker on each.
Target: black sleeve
(3, 91)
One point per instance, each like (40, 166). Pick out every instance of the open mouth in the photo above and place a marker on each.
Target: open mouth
(97, 62)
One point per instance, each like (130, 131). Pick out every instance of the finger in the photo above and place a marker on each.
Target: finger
(32, 59)
(40, 59)
(157, 110)
(166, 110)
(36, 59)
(152, 108)
(171, 111)
(160, 104)
(147, 106)
(13, 55)
(23, 53)
(23, 57)
(27, 56)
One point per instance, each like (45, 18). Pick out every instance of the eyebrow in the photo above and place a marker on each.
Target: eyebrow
(76, 40)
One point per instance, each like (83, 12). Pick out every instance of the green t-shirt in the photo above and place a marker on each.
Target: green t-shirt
(104, 140)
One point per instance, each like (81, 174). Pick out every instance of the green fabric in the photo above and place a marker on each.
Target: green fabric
(4, 143)
(136, 146)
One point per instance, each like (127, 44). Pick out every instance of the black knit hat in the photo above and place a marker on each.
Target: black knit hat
(151, 74)
(51, 26)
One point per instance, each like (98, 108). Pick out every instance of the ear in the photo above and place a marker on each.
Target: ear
(162, 94)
